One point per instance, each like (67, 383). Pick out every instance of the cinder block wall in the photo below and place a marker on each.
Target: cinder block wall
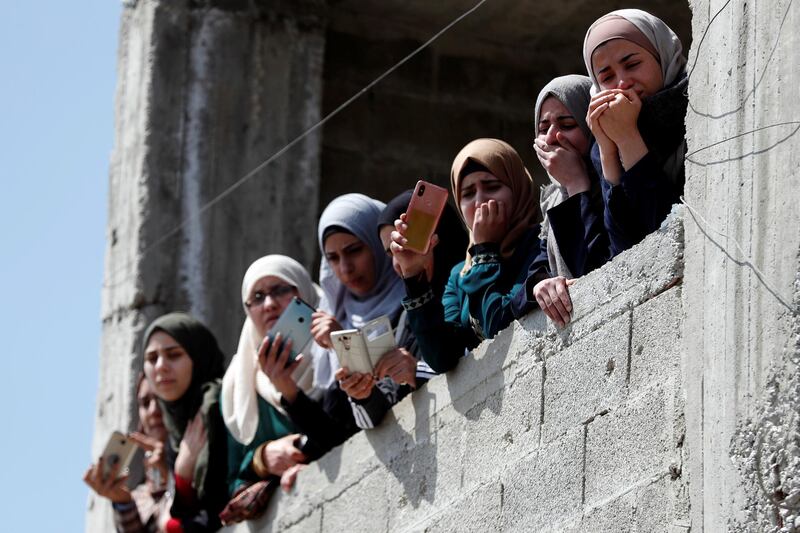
(579, 429)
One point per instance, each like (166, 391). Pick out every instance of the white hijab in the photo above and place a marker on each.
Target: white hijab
(655, 30)
(244, 378)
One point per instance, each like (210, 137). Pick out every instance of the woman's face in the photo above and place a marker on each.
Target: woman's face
(268, 298)
(622, 64)
(478, 188)
(150, 412)
(554, 117)
(351, 261)
(167, 366)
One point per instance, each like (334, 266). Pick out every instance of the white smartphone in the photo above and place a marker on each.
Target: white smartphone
(360, 350)
(118, 451)
(379, 338)
(351, 350)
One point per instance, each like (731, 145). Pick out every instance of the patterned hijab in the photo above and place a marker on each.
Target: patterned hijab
(358, 214)
(504, 163)
(642, 28)
(202, 395)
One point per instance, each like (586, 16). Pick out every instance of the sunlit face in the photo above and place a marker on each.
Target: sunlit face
(554, 117)
(268, 298)
(352, 262)
(150, 412)
(478, 188)
(622, 64)
(167, 366)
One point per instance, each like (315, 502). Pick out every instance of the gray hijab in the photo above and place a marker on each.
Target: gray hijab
(358, 214)
(572, 91)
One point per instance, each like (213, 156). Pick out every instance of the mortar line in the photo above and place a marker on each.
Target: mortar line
(583, 465)
(630, 352)
(541, 400)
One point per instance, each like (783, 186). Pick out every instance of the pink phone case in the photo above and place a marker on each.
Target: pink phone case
(422, 215)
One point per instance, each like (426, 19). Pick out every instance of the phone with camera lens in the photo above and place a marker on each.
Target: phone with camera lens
(295, 324)
(422, 215)
(119, 450)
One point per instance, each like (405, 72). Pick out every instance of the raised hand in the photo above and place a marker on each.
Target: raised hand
(194, 438)
(490, 222)
(322, 325)
(276, 365)
(154, 457)
(411, 263)
(111, 487)
(609, 152)
(564, 163)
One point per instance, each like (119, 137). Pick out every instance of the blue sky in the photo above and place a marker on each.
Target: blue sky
(58, 72)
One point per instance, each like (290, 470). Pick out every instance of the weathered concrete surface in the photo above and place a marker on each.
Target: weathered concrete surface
(203, 95)
(508, 442)
(742, 261)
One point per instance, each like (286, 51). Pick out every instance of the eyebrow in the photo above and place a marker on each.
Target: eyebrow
(166, 348)
(352, 245)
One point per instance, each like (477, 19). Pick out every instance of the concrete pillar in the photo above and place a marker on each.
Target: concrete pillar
(742, 260)
(205, 93)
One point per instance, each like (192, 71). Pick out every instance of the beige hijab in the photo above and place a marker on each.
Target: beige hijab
(504, 163)
(244, 378)
(642, 28)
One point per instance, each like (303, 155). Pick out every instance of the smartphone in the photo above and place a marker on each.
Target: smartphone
(379, 338)
(294, 323)
(352, 350)
(360, 350)
(118, 451)
(422, 215)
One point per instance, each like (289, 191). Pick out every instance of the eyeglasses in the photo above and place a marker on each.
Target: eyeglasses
(278, 291)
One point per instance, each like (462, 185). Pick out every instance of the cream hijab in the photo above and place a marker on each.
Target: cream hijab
(662, 39)
(244, 378)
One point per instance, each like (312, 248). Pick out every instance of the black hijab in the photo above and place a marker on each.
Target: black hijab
(453, 240)
(202, 395)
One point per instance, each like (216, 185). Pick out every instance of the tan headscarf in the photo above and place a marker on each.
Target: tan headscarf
(642, 28)
(504, 163)
(244, 378)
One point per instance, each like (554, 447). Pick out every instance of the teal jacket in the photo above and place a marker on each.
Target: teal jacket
(476, 305)
(271, 425)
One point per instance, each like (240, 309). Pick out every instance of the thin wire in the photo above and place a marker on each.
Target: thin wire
(238, 183)
(746, 258)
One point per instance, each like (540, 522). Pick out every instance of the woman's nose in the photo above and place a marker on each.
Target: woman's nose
(625, 84)
(550, 136)
(161, 363)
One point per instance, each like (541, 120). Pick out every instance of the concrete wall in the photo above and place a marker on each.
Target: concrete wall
(741, 289)
(580, 429)
(203, 94)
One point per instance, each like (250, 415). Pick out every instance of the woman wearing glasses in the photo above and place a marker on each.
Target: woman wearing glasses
(264, 443)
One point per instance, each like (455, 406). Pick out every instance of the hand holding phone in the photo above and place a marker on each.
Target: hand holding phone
(422, 215)
(273, 357)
